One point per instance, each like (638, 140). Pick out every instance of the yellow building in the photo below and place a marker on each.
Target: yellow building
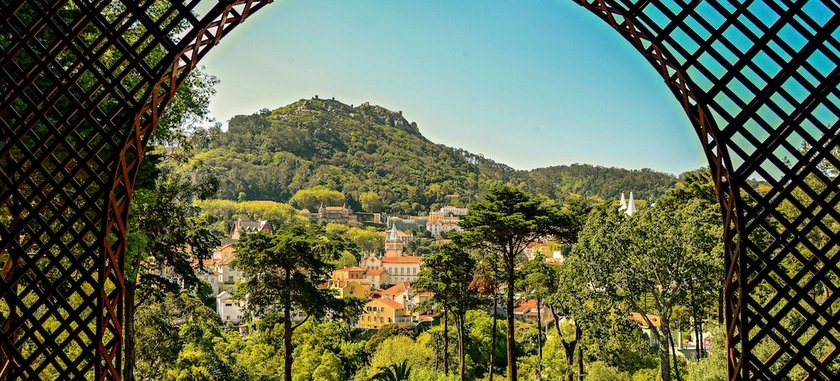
(377, 277)
(349, 273)
(349, 288)
(381, 312)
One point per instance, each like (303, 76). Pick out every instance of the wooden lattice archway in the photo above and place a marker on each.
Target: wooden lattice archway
(82, 84)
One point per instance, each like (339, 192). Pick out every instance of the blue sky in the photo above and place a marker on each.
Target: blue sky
(529, 84)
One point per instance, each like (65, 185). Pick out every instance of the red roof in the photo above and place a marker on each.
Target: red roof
(397, 289)
(375, 272)
(411, 259)
(223, 261)
(637, 317)
(526, 305)
(391, 303)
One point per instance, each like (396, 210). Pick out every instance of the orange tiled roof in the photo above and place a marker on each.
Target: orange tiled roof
(397, 289)
(410, 259)
(526, 305)
(374, 271)
(224, 261)
(390, 303)
(637, 317)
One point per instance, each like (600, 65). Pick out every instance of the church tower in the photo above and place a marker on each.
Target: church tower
(393, 244)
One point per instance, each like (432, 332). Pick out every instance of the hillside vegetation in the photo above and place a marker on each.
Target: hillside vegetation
(270, 155)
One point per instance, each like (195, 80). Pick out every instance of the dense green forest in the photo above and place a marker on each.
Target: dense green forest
(270, 155)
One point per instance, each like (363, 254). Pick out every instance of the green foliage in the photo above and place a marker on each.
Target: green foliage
(370, 202)
(368, 150)
(447, 274)
(315, 197)
(367, 240)
(665, 259)
(386, 332)
(554, 366)
(398, 350)
(713, 367)
(647, 374)
(566, 181)
(284, 270)
(600, 371)
(329, 369)
(500, 227)
(222, 213)
(397, 372)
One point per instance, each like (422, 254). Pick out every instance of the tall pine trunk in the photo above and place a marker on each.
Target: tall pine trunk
(461, 353)
(664, 353)
(446, 342)
(539, 338)
(580, 361)
(568, 346)
(493, 334)
(674, 354)
(698, 347)
(129, 342)
(287, 331)
(511, 343)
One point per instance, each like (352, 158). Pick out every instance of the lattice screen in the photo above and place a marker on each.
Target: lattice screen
(759, 80)
(82, 84)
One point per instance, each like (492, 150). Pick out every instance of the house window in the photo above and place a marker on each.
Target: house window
(389, 320)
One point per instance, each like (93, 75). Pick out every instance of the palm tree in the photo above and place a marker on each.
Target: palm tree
(394, 373)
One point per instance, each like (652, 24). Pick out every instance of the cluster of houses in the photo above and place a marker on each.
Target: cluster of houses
(386, 281)
(383, 279)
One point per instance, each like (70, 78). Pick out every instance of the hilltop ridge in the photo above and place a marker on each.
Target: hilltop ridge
(354, 149)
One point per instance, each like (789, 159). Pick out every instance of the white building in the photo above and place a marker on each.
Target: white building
(229, 308)
(401, 269)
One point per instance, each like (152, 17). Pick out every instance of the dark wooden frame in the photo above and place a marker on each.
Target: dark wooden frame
(83, 83)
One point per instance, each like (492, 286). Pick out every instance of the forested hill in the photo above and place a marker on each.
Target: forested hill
(272, 154)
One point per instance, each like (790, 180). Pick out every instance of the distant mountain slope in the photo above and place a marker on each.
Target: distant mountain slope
(595, 181)
(272, 154)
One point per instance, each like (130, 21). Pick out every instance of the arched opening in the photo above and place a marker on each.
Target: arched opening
(765, 72)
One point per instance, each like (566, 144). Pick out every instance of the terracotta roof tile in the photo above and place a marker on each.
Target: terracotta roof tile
(397, 289)
(390, 303)
(411, 259)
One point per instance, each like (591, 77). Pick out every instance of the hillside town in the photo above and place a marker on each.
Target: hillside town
(384, 278)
